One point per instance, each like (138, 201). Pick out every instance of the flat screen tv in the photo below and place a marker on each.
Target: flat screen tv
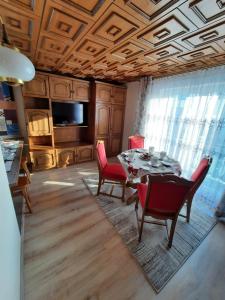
(69, 113)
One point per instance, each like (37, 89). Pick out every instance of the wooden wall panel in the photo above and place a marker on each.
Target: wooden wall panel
(118, 40)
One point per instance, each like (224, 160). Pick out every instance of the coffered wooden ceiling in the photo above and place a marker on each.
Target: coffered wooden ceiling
(119, 40)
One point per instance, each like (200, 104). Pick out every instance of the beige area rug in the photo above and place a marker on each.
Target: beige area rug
(158, 263)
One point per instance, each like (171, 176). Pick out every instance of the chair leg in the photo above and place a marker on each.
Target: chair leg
(99, 185)
(136, 203)
(27, 199)
(172, 230)
(141, 227)
(189, 203)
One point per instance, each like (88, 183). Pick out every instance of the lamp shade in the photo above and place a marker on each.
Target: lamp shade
(14, 66)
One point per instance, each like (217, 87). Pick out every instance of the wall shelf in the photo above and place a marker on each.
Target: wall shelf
(71, 144)
(70, 126)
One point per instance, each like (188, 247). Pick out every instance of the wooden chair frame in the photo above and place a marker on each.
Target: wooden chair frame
(195, 187)
(161, 216)
(103, 180)
(23, 189)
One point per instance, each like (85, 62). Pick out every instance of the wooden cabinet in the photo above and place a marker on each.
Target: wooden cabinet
(70, 156)
(117, 115)
(119, 95)
(116, 132)
(103, 92)
(44, 159)
(61, 88)
(80, 90)
(110, 116)
(39, 122)
(102, 119)
(84, 153)
(38, 87)
(65, 157)
(115, 145)
(58, 146)
(68, 89)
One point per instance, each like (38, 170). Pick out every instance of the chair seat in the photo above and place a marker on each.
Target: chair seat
(114, 172)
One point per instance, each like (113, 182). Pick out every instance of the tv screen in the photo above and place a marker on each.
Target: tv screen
(68, 113)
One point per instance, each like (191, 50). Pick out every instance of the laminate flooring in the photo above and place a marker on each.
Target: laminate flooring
(72, 252)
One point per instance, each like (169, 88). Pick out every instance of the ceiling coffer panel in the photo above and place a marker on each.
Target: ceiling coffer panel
(118, 40)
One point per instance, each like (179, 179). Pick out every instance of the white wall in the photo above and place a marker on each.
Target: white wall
(9, 242)
(133, 90)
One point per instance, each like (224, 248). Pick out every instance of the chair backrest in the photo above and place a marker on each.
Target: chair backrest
(166, 194)
(200, 173)
(136, 141)
(101, 156)
(25, 169)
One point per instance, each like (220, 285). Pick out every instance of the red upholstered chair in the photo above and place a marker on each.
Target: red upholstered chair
(111, 173)
(136, 141)
(197, 178)
(162, 198)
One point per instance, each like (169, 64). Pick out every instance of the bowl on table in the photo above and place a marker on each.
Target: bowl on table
(145, 156)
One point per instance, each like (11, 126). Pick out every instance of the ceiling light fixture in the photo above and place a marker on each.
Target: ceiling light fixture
(15, 68)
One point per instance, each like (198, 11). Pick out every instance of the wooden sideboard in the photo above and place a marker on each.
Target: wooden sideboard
(53, 146)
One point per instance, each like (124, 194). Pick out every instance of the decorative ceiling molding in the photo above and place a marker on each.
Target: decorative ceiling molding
(120, 39)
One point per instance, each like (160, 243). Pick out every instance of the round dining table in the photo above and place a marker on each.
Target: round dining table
(137, 163)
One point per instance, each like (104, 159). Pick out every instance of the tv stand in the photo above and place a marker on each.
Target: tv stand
(55, 145)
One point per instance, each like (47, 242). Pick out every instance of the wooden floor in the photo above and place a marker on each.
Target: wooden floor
(72, 252)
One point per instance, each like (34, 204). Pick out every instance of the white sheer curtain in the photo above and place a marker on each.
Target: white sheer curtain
(185, 116)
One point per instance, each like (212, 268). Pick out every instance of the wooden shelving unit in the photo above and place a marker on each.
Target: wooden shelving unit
(51, 145)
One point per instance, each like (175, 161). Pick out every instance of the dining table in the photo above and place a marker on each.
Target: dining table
(138, 163)
(12, 152)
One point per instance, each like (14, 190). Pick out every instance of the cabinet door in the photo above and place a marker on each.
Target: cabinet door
(84, 153)
(65, 157)
(117, 113)
(119, 95)
(39, 122)
(80, 90)
(60, 88)
(115, 145)
(102, 120)
(43, 159)
(38, 87)
(103, 92)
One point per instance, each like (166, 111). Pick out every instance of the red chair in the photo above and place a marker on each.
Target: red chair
(197, 178)
(113, 173)
(136, 141)
(162, 198)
